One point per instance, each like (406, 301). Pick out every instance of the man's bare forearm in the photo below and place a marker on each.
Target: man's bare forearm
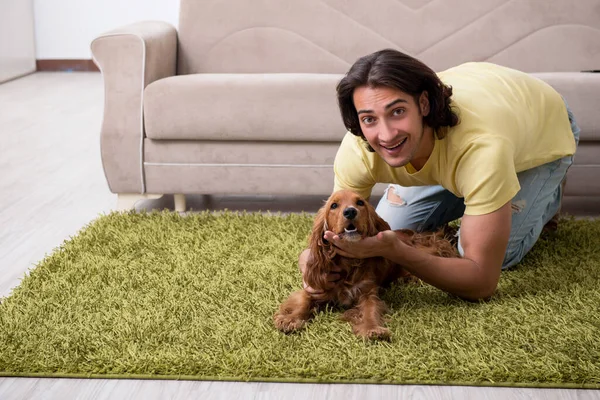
(459, 276)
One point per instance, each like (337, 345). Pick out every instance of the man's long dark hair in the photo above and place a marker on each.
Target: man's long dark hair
(393, 69)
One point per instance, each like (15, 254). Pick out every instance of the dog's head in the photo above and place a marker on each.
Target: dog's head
(348, 215)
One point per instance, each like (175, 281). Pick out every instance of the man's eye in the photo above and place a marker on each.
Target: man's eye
(368, 120)
(398, 111)
(333, 206)
(360, 203)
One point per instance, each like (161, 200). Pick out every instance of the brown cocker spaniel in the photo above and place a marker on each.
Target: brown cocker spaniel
(352, 218)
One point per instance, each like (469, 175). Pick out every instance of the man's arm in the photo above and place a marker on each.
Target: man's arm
(484, 239)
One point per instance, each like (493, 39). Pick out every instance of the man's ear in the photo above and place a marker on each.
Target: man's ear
(424, 103)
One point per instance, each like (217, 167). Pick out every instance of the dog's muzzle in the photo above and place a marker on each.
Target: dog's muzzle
(350, 213)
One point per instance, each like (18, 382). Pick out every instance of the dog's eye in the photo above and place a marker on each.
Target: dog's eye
(333, 206)
(360, 203)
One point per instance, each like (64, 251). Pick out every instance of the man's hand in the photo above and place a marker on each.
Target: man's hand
(383, 244)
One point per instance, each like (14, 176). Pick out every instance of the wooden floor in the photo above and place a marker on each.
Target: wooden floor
(52, 184)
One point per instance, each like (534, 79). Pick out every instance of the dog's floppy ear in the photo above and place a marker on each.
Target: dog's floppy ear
(321, 253)
(316, 242)
(376, 223)
(318, 229)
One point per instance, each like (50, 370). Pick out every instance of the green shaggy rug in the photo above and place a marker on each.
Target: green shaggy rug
(165, 296)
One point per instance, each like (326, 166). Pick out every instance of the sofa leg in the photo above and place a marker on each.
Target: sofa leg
(126, 201)
(179, 202)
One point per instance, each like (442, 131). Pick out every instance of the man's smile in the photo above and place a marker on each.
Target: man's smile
(395, 148)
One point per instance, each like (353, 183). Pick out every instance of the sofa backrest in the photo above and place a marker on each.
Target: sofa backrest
(327, 36)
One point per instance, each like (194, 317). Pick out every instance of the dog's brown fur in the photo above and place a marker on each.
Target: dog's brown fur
(361, 279)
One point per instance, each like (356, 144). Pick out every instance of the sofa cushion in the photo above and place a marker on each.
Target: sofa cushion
(298, 107)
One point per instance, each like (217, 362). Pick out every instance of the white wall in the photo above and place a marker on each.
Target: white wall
(17, 55)
(64, 29)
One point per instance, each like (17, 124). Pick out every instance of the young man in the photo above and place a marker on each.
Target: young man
(479, 141)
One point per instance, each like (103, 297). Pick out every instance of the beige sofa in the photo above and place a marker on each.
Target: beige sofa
(240, 99)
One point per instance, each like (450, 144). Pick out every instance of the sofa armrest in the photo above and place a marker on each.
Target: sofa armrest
(130, 58)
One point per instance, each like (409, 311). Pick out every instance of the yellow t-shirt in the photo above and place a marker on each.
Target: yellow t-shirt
(509, 122)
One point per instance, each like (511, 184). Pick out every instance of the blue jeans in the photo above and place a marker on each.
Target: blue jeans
(426, 208)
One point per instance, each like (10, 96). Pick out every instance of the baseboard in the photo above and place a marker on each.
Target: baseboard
(66, 65)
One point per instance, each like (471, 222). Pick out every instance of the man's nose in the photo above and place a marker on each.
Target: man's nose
(386, 132)
(350, 212)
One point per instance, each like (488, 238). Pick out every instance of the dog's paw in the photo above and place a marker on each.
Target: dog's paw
(376, 333)
(379, 333)
(352, 315)
(288, 322)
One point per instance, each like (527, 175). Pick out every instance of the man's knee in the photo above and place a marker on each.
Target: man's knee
(419, 208)
(394, 198)
(395, 210)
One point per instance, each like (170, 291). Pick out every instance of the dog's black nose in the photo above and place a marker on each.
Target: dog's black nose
(350, 213)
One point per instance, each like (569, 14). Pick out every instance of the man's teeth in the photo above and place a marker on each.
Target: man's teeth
(399, 144)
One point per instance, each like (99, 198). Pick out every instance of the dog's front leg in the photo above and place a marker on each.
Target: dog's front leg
(367, 318)
(294, 312)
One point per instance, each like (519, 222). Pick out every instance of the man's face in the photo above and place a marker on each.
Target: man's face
(392, 122)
